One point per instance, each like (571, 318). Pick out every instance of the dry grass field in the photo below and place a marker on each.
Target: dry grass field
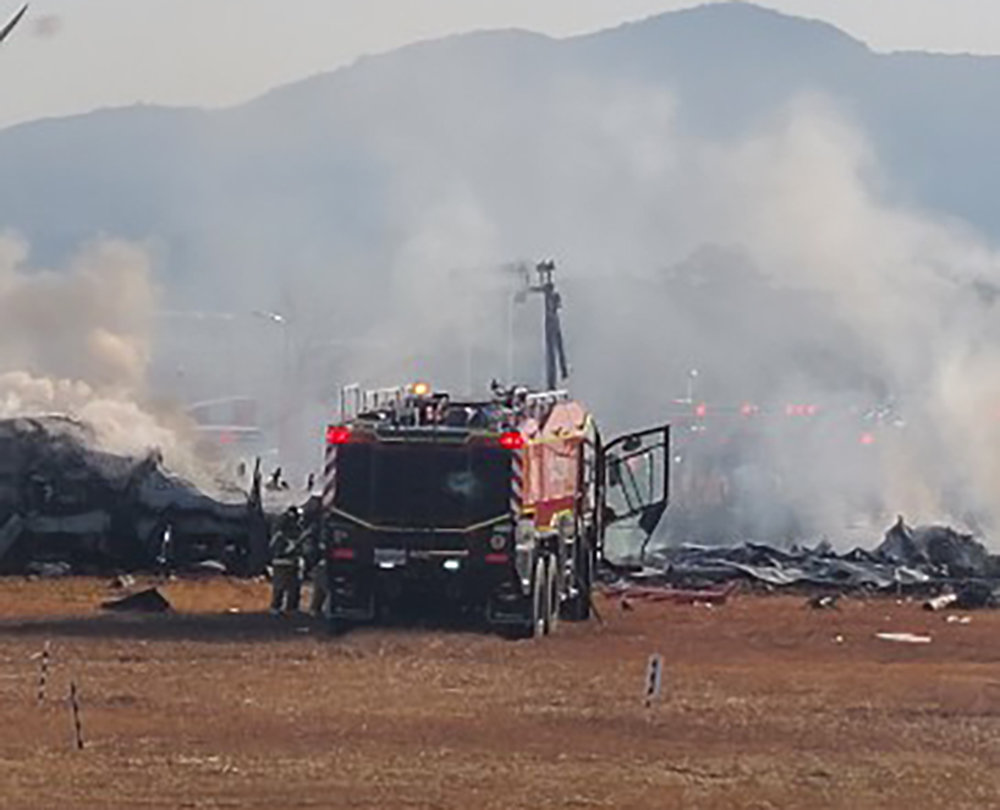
(220, 705)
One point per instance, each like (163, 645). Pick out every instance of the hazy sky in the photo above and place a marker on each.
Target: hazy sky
(75, 55)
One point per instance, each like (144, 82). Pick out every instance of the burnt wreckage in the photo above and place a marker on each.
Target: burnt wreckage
(921, 559)
(63, 501)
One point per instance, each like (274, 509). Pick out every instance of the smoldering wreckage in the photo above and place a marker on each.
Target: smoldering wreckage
(66, 507)
(952, 569)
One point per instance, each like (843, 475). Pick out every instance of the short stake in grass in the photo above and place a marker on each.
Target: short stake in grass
(654, 679)
(43, 672)
(74, 705)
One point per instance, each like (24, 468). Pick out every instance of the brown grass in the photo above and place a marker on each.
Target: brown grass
(762, 708)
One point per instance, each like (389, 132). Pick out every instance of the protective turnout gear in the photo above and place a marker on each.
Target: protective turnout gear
(316, 570)
(287, 564)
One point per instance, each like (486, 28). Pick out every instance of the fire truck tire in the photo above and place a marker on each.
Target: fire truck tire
(578, 608)
(337, 627)
(539, 600)
(551, 594)
(536, 622)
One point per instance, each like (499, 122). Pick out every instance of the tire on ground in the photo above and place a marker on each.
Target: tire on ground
(551, 594)
(539, 601)
(535, 623)
(578, 608)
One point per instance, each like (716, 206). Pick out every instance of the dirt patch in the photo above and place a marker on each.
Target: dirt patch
(766, 704)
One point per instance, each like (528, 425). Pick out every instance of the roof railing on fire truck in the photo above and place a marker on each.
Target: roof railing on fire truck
(378, 399)
(539, 403)
(350, 401)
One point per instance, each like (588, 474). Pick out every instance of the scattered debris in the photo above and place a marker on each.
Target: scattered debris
(122, 581)
(707, 596)
(825, 602)
(49, 569)
(147, 601)
(920, 559)
(958, 619)
(940, 548)
(213, 567)
(975, 595)
(904, 638)
(941, 602)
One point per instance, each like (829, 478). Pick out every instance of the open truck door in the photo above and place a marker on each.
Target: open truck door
(634, 481)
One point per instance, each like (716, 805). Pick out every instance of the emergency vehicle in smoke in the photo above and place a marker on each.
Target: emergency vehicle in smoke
(499, 505)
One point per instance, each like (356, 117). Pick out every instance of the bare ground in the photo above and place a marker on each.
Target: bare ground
(762, 708)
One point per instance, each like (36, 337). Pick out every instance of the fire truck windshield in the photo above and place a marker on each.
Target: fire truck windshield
(423, 485)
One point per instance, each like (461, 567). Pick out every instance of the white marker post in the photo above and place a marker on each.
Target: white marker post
(74, 705)
(654, 679)
(43, 672)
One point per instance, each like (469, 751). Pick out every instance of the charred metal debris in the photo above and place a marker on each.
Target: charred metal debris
(920, 560)
(66, 507)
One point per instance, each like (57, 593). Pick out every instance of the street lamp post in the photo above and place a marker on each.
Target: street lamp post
(692, 377)
(281, 321)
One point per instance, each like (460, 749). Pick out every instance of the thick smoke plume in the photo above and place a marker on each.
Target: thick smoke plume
(775, 262)
(77, 342)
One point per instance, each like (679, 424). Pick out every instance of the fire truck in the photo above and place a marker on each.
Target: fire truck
(500, 505)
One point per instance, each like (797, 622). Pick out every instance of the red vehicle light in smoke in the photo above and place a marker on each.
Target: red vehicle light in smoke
(749, 409)
(701, 410)
(341, 554)
(337, 434)
(496, 558)
(867, 438)
(512, 440)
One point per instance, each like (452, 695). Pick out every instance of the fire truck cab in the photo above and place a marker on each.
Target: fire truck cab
(499, 505)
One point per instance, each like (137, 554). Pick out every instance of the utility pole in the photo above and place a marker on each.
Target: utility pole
(555, 353)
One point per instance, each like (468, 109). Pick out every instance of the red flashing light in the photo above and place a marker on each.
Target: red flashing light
(801, 410)
(701, 410)
(511, 440)
(338, 434)
(341, 553)
(496, 559)
(867, 438)
(748, 409)
(226, 437)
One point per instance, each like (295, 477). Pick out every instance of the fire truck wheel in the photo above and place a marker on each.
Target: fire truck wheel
(578, 608)
(539, 600)
(536, 622)
(337, 627)
(551, 595)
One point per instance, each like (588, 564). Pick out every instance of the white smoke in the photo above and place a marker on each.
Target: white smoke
(804, 276)
(76, 342)
(618, 191)
(800, 199)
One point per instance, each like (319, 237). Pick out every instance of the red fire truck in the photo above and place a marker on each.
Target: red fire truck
(500, 505)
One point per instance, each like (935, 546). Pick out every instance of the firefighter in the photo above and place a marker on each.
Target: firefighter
(316, 569)
(286, 563)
